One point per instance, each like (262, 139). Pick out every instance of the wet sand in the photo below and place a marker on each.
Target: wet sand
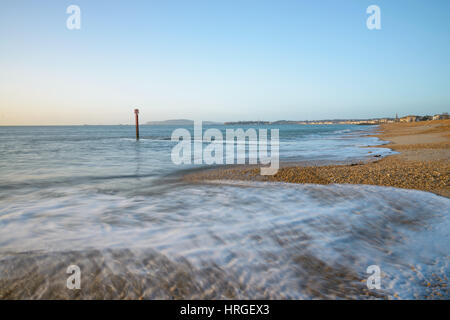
(423, 163)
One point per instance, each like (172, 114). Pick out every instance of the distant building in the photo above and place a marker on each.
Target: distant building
(409, 119)
(443, 116)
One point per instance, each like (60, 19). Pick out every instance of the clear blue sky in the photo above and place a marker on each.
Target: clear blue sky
(221, 60)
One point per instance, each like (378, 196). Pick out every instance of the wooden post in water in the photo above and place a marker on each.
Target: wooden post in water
(136, 112)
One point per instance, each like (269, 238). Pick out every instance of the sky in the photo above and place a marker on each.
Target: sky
(221, 60)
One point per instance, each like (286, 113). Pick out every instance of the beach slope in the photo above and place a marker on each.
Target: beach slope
(423, 163)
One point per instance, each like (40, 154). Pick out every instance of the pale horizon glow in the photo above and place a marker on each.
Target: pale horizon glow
(221, 61)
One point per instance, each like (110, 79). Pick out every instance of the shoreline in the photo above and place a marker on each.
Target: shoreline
(423, 163)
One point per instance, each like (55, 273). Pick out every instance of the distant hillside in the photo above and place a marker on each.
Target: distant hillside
(178, 122)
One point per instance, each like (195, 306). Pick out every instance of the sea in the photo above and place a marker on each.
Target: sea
(117, 208)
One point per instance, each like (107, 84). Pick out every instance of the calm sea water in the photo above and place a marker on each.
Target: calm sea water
(95, 197)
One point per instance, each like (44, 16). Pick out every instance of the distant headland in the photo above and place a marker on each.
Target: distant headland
(179, 122)
(372, 121)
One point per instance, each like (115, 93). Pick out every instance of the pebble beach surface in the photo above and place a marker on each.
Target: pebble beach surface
(422, 164)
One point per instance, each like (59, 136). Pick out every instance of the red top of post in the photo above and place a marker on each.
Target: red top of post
(136, 111)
